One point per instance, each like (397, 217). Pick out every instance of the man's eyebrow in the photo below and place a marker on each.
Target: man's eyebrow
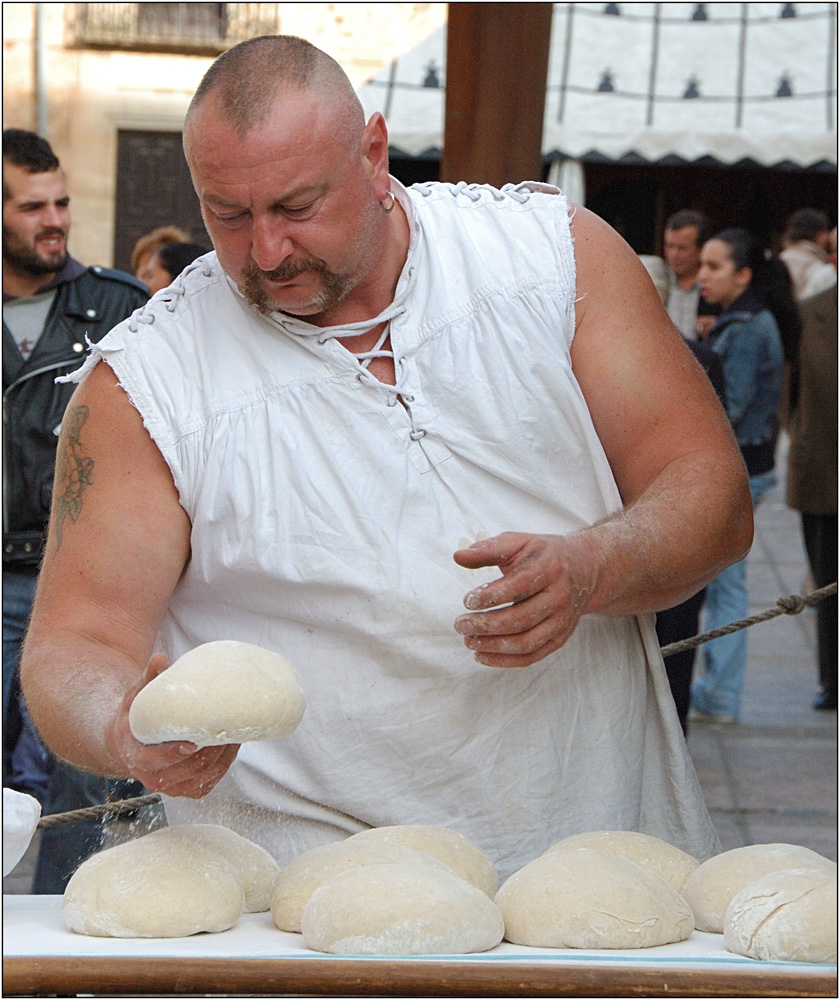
(212, 199)
(40, 202)
(306, 189)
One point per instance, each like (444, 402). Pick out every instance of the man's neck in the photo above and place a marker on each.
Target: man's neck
(23, 285)
(687, 282)
(376, 293)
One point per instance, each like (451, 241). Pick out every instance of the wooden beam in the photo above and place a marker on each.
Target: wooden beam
(496, 69)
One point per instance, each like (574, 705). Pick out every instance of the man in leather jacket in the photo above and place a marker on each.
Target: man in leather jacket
(52, 305)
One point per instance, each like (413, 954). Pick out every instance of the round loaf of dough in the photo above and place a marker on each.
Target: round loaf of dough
(397, 909)
(153, 888)
(220, 692)
(786, 916)
(452, 848)
(711, 888)
(255, 867)
(580, 898)
(661, 857)
(299, 879)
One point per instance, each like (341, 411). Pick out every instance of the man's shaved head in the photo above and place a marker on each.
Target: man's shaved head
(246, 80)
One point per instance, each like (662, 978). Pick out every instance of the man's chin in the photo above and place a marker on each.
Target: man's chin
(295, 299)
(267, 302)
(56, 262)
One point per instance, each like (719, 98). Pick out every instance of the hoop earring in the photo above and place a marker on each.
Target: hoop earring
(390, 208)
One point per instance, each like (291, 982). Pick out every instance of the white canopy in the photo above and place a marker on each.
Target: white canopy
(657, 83)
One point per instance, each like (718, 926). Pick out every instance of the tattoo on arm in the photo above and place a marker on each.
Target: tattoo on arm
(74, 471)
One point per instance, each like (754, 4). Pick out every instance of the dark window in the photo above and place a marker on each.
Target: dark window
(153, 189)
(202, 22)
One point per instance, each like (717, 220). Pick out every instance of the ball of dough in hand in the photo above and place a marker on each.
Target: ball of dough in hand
(666, 860)
(220, 692)
(580, 898)
(298, 880)
(449, 846)
(153, 888)
(397, 909)
(711, 888)
(255, 867)
(786, 916)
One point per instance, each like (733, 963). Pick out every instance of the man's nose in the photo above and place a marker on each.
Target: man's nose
(270, 243)
(54, 217)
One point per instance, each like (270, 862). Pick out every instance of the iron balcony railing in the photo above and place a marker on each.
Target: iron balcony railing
(171, 27)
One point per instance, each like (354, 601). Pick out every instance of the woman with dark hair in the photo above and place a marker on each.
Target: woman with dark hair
(746, 336)
(169, 261)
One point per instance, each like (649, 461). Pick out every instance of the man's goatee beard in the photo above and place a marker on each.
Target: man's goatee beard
(334, 287)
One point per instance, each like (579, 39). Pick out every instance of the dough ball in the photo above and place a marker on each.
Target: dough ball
(711, 888)
(786, 916)
(580, 898)
(398, 909)
(452, 848)
(153, 888)
(255, 867)
(661, 857)
(220, 692)
(299, 879)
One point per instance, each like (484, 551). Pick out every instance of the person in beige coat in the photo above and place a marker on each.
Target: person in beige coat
(812, 468)
(806, 249)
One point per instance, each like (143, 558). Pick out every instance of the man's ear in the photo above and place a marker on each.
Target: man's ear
(375, 154)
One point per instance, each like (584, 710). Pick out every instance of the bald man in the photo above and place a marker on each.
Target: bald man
(372, 407)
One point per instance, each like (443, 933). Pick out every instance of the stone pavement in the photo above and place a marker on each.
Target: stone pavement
(773, 776)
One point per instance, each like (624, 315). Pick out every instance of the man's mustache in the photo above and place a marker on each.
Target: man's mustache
(283, 272)
(50, 232)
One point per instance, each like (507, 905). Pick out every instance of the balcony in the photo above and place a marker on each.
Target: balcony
(189, 28)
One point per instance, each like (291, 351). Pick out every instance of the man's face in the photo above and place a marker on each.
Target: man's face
(682, 254)
(36, 221)
(290, 208)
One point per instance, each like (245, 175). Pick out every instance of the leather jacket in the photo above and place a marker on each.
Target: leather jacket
(86, 306)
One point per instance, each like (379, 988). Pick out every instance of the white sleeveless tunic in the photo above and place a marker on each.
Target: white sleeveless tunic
(325, 514)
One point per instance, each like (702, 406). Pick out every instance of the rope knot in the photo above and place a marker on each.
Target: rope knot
(792, 605)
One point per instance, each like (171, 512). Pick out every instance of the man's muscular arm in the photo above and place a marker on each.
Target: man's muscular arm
(117, 545)
(687, 511)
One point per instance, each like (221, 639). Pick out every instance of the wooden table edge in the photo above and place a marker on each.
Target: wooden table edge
(32, 975)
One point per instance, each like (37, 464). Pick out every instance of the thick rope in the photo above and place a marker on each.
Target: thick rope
(94, 812)
(792, 605)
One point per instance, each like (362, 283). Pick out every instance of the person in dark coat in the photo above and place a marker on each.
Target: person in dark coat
(812, 469)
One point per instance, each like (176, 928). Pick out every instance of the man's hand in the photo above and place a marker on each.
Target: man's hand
(546, 583)
(178, 768)
(702, 326)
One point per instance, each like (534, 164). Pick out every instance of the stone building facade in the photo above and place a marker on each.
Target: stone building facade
(109, 84)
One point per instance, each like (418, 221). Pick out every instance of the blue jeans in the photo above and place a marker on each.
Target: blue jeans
(718, 689)
(24, 758)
